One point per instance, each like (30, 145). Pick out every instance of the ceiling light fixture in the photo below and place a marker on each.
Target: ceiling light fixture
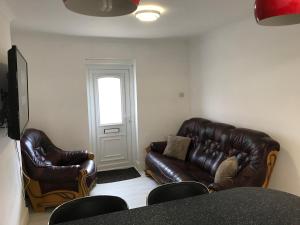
(277, 12)
(147, 15)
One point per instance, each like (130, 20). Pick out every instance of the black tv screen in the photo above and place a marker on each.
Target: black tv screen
(18, 104)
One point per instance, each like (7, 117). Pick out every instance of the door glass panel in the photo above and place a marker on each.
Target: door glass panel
(110, 100)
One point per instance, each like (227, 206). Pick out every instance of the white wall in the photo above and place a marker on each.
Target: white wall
(57, 84)
(248, 75)
(241, 74)
(12, 206)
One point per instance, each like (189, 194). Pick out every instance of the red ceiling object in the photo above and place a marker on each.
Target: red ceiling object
(277, 12)
(102, 8)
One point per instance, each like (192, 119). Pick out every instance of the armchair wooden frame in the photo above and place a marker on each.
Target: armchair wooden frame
(271, 160)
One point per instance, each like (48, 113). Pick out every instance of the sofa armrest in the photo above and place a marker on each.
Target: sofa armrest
(73, 157)
(76, 157)
(157, 147)
(57, 173)
(89, 167)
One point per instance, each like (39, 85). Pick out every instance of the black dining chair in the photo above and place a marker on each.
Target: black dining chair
(87, 207)
(175, 191)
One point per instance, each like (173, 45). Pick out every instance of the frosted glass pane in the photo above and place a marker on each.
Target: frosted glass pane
(110, 100)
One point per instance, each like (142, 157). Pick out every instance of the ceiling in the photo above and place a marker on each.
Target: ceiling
(182, 18)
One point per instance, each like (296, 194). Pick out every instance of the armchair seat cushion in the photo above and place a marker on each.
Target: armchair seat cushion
(47, 187)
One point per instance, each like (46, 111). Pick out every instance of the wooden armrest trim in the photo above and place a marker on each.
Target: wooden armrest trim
(271, 160)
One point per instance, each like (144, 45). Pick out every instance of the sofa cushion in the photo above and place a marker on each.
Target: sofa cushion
(173, 170)
(177, 147)
(226, 170)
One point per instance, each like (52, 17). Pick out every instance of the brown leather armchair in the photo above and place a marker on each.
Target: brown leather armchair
(53, 176)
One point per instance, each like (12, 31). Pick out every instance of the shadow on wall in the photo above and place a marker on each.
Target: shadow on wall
(3, 68)
(285, 165)
(3, 93)
(3, 76)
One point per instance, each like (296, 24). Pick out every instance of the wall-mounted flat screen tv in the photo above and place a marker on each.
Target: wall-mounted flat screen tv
(18, 104)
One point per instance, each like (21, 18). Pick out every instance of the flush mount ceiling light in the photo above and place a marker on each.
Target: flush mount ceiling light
(148, 13)
(277, 12)
(102, 8)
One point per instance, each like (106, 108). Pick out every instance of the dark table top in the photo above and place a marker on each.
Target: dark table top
(240, 206)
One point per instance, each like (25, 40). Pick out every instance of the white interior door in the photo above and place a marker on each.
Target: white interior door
(113, 118)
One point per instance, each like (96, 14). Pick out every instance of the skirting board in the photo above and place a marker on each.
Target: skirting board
(138, 165)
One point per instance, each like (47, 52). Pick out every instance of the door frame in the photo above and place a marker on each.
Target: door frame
(113, 64)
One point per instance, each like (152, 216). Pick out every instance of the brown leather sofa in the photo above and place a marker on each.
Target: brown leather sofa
(211, 144)
(53, 176)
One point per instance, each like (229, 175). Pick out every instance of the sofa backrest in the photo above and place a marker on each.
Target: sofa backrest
(251, 149)
(193, 129)
(213, 142)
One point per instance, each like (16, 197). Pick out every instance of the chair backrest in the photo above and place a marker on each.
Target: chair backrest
(87, 207)
(36, 147)
(174, 191)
